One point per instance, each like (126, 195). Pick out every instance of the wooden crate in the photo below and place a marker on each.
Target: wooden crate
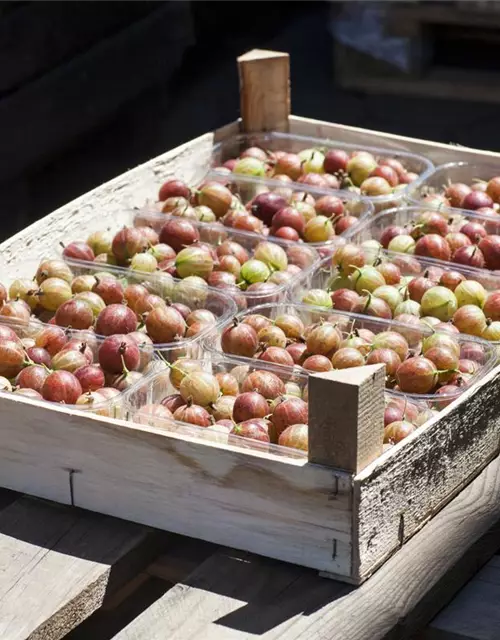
(346, 509)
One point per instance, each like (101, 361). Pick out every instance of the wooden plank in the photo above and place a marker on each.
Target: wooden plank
(441, 82)
(405, 20)
(29, 47)
(235, 596)
(281, 507)
(352, 436)
(474, 613)
(451, 583)
(391, 503)
(49, 112)
(75, 559)
(264, 90)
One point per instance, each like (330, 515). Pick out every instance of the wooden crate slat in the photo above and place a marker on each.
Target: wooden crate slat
(437, 152)
(233, 595)
(264, 90)
(57, 565)
(220, 494)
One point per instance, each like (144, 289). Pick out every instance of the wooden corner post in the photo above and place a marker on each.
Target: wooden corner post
(264, 90)
(346, 417)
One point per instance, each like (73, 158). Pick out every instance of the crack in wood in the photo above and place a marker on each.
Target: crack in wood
(401, 531)
(71, 473)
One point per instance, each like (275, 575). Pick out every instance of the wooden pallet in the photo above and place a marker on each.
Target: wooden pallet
(347, 509)
(104, 579)
(430, 27)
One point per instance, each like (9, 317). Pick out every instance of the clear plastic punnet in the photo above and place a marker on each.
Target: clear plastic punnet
(444, 175)
(246, 188)
(328, 278)
(350, 324)
(276, 141)
(38, 334)
(141, 405)
(301, 255)
(407, 218)
(173, 290)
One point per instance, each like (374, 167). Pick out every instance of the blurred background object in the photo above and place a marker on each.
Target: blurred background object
(88, 90)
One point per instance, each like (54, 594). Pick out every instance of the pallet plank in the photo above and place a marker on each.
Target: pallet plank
(67, 555)
(234, 595)
(474, 613)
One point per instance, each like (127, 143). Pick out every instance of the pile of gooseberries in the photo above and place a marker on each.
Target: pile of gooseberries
(472, 241)
(370, 281)
(238, 402)
(47, 362)
(417, 361)
(325, 168)
(161, 310)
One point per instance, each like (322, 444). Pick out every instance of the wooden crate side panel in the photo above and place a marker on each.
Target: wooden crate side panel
(287, 509)
(106, 206)
(399, 493)
(437, 152)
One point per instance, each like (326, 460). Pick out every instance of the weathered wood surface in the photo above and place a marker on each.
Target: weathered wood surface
(58, 565)
(46, 114)
(264, 90)
(346, 417)
(235, 596)
(279, 507)
(407, 485)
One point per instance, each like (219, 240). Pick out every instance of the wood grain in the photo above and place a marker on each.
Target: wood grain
(397, 494)
(66, 555)
(264, 90)
(284, 508)
(346, 417)
(235, 596)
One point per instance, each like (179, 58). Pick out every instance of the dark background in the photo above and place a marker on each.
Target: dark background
(90, 89)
